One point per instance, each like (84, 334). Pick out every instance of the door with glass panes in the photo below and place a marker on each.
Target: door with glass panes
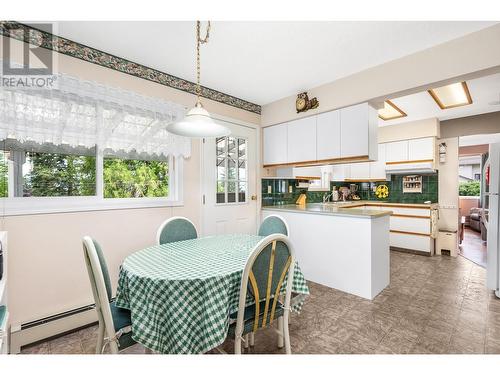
(229, 182)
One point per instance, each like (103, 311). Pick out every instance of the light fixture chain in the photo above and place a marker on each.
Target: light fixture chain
(200, 41)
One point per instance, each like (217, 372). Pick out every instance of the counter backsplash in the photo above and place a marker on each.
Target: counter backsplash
(283, 191)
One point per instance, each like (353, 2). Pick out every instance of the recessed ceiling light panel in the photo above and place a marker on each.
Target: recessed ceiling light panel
(390, 111)
(451, 96)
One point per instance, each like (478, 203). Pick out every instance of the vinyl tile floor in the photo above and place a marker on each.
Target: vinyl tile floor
(473, 247)
(433, 305)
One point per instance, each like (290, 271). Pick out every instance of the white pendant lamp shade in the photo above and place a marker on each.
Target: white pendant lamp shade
(198, 124)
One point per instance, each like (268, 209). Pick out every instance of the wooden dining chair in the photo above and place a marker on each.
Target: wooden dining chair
(270, 262)
(176, 229)
(114, 323)
(273, 224)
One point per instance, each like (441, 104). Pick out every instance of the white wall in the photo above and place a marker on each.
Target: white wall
(409, 130)
(448, 186)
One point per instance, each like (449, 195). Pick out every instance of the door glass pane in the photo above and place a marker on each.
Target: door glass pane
(221, 146)
(221, 192)
(231, 191)
(221, 169)
(242, 148)
(231, 148)
(242, 189)
(231, 170)
(242, 170)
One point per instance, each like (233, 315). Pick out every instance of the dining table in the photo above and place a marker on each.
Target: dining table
(181, 295)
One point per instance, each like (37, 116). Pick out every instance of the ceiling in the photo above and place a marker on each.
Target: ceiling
(421, 106)
(264, 61)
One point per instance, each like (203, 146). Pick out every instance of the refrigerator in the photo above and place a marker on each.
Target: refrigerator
(491, 218)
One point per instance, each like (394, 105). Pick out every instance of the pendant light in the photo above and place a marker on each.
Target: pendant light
(198, 123)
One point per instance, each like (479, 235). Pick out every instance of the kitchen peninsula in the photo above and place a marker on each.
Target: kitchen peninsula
(343, 248)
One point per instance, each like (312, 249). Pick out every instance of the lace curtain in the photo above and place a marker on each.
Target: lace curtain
(82, 113)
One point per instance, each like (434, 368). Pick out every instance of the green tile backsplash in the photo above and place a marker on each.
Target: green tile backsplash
(280, 192)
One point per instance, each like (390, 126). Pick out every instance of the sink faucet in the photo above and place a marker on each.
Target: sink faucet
(326, 197)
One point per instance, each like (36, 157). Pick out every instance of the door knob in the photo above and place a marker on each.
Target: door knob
(253, 197)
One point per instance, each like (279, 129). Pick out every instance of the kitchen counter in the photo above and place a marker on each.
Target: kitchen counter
(343, 248)
(334, 209)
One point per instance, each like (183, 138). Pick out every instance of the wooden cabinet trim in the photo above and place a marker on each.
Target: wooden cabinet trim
(412, 216)
(359, 158)
(410, 233)
(410, 161)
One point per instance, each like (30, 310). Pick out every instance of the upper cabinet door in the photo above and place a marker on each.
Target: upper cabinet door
(421, 149)
(377, 168)
(275, 144)
(396, 151)
(354, 133)
(360, 171)
(302, 140)
(328, 135)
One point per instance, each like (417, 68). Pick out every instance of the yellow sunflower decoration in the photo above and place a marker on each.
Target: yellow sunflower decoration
(382, 191)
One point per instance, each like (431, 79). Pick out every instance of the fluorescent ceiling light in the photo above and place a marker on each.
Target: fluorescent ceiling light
(451, 96)
(390, 111)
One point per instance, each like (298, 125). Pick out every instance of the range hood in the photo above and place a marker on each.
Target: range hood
(410, 168)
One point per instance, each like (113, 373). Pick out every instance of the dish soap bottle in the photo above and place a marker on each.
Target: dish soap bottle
(335, 194)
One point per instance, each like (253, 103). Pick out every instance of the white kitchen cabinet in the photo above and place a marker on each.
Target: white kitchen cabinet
(275, 144)
(328, 135)
(354, 133)
(347, 133)
(359, 171)
(412, 242)
(341, 172)
(301, 140)
(377, 168)
(396, 151)
(421, 149)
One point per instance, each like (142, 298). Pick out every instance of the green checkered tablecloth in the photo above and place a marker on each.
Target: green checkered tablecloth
(181, 294)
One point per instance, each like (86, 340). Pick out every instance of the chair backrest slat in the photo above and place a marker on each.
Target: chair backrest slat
(269, 283)
(278, 288)
(251, 277)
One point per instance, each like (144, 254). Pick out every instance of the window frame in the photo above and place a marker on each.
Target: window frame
(237, 181)
(12, 206)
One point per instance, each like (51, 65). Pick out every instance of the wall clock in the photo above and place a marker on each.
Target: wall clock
(303, 103)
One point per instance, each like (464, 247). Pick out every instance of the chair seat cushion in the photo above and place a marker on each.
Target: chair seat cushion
(121, 317)
(249, 317)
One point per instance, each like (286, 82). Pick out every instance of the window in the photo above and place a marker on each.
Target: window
(231, 164)
(90, 179)
(57, 175)
(135, 178)
(85, 146)
(4, 168)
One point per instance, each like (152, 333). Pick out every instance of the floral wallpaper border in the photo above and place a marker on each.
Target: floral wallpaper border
(68, 47)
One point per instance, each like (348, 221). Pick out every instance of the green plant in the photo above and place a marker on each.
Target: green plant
(469, 189)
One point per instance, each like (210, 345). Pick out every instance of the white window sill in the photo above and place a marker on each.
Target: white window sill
(49, 205)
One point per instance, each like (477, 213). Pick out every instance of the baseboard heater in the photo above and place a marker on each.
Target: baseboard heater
(37, 330)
